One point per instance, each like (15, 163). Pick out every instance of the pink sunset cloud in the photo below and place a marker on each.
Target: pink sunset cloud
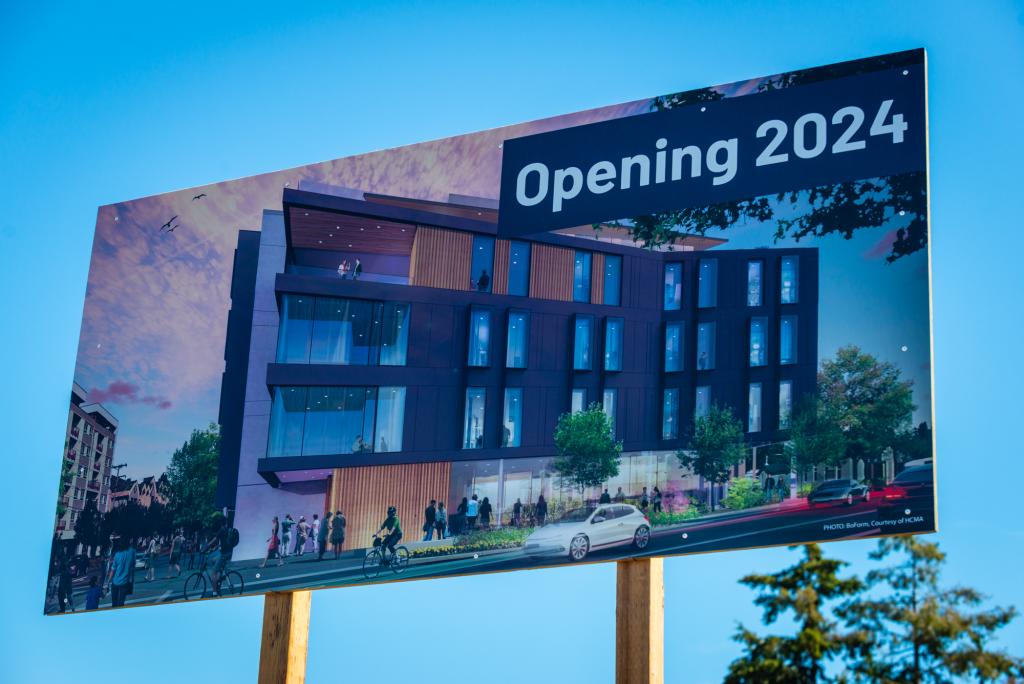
(120, 392)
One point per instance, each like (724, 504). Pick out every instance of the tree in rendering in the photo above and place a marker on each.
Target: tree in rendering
(907, 628)
(588, 453)
(125, 520)
(88, 530)
(192, 479)
(802, 595)
(914, 443)
(815, 436)
(716, 446)
(66, 475)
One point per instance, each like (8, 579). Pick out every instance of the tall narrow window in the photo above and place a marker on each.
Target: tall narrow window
(755, 274)
(612, 279)
(518, 334)
(512, 420)
(787, 339)
(785, 403)
(579, 400)
(519, 268)
(394, 334)
(609, 399)
(295, 330)
(482, 263)
(390, 418)
(754, 407)
(789, 290)
(758, 333)
(702, 404)
(705, 346)
(287, 419)
(473, 428)
(479, 337)
(613, 344)
(707, 284)
(673, 286)
(670, 414)
(581, 277)
(673, 346)
(581, 357)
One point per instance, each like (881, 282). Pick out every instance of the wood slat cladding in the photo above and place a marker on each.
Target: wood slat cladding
(597, 279)
(499, 285)
(364, 493)
(551, 272)
(441, 258)
(312, 229)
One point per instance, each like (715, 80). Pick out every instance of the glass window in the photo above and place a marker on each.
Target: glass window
(612, 279)
(754, 407)
(519, 268)
(785, 403)
(512, 420)
(390, 418)
(673, 346)
(518, 334)
(790, 280)
(579, 400)
(755, 273)
(287, 418)
(673, 286)
(787, 339)
(394, 334)
(479, 337)
(482, 264)
(670, 414)
(758, 331)
(473, 432)
(581, 346)
(613, 344)
(609, 399)
(296, 326)
(702, 405)
(705, 346)
(344, 331)
(707, 283)
(581, 277)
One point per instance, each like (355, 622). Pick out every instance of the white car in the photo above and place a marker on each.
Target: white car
(580, 531)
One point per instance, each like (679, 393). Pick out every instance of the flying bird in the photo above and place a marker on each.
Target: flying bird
(169, 222)
(199, 196)
(173, 227)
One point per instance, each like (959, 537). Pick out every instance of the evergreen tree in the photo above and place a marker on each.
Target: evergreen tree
(800, 593)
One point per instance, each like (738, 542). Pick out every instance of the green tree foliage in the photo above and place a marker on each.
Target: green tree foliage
(717, 445)
(588, 453)
(802, 594)
(192, 479)
(88, 527)
(815, 435)
(66, 474)
(744, 493)
(907, 628)
(125, 520)
(914, 443)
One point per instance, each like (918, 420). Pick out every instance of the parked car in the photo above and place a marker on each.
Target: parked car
(583, 530)
(838, 491)
(914, 488)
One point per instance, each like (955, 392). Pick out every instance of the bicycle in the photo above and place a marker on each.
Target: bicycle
(195, 585)
(379, 557)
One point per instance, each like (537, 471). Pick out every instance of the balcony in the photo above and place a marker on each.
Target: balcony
(99, 447)
(71, 455)
(74, 432)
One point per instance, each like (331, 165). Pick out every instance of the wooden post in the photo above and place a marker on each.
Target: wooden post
(640, 621)
(285, 637)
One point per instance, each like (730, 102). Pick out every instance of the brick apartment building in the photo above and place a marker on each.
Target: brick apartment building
(89, 452)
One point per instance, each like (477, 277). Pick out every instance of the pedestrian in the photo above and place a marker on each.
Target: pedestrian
(541, 511)
(517, 513)
(645, 500)
(472, 511)
(93, 596)
(191, 549)
(441, 522)
(177, 543)
(322, 532)
(429, 520)
(338, 533)
(151, 551)
(301, 531)
(314, 533)
(122, 572)
(656, 499)
(64, 578)
(620, 496)
(357, 270)
(605, 497)
(460, 514)
(485, 513)
(273, 544)
(286, 533)
(782, 489)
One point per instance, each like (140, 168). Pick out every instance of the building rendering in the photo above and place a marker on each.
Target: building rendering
(385, 350)
(88, 455)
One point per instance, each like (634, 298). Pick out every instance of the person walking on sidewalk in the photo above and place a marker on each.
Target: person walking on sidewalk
(472, 511)
(273, 545)
(656, 499)
(122, 572)
(541, 511)
(301, 532)
(323, 529)
(442, 520)
(286, 533)
(485, 513)
(95, 593)
(177, 544)
(429, 520)
(605, 498)
(460, 516)
(314, 533)
(338, 533)
(151, 551)
(517, 513)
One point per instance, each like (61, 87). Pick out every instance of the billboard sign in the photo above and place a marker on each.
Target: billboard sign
(696, 322)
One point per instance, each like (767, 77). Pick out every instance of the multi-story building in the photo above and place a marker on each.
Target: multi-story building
(144, 492)
(88, 454)
(395, 350)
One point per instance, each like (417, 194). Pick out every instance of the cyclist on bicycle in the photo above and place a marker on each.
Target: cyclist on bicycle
(394, 528)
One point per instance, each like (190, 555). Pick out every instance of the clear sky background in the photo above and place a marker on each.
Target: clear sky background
(102, 106)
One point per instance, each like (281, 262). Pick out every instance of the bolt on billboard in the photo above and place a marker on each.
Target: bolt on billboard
(696, 322)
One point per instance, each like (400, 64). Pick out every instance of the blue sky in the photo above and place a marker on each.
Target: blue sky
(105, 105)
